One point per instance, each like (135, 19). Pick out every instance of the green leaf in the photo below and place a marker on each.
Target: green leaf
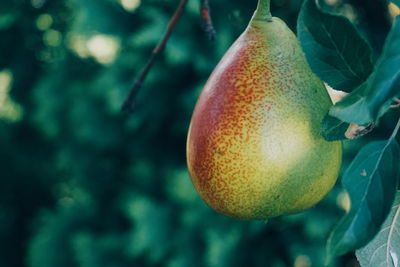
(372, 99)
(397, 2)
(371, 182)
(333, 129)
(333, 48)
(384, 249)
(353, 108)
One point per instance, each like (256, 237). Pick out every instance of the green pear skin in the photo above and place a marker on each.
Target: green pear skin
(254, 148)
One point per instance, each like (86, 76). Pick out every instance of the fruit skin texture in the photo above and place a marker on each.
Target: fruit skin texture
(254, 147)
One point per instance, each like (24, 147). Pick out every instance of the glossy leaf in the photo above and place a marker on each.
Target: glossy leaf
(371, 181)
(333, 48)
(384, 249)
(372, 99)
(333, 129)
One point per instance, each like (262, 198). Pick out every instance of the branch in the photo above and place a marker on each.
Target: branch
(129, 102)
(207, 22)
(397, 105)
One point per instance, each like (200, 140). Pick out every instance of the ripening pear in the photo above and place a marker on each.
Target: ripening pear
(254, 147)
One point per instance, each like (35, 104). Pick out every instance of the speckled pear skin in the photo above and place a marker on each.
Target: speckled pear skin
(254, 148)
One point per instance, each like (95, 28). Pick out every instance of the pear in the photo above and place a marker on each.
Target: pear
(254, 147)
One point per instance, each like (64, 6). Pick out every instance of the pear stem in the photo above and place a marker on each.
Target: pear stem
(263, 11)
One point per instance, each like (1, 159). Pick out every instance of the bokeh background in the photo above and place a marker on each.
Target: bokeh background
(82, 184)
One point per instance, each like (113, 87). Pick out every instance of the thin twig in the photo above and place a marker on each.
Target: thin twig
(397, 105)
(206, 18)
(130, 99)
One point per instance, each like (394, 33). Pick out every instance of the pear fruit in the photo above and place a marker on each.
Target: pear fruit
(254, 148)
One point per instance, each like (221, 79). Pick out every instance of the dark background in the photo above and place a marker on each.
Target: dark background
(82, 184)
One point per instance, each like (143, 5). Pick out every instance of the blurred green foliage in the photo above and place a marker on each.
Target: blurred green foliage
(83, 185)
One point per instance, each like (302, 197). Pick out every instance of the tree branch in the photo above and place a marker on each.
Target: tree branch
(206, 18)
(397, 105)
(129, 102)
